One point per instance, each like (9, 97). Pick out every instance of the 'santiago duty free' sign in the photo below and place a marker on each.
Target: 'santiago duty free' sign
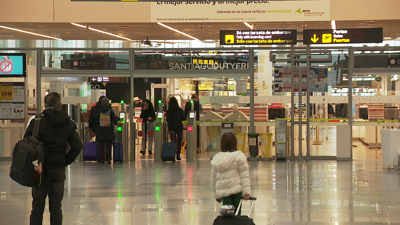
(258, 37)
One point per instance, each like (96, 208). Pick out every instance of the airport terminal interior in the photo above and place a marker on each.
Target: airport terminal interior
(309, 88)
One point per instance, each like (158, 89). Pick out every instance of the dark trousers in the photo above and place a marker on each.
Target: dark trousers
(107, 145)
(55, 191)
(233, 200)
(178, 141)
(198, 136)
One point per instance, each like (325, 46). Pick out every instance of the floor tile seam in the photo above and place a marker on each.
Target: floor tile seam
(88, 218)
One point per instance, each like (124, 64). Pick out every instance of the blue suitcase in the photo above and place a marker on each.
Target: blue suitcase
(90, 151)
(168, 150)
(118, 152)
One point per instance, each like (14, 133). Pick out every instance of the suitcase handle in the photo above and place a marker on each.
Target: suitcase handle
(252, 199)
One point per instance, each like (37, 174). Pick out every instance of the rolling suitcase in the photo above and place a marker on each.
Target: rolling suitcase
(90, 151)
(168, 150)
(118, 152)
(236, 220)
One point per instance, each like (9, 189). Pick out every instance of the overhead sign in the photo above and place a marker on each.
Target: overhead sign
(239, 11)
(343, 36)
(258, 37)
(12, 65)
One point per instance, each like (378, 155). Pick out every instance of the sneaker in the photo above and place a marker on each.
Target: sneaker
(143, 152)
(178, 158)
(150, 152)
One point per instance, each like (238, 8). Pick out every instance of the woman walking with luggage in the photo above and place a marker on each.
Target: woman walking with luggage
(230, 173)
(105, 135)
(147, 115)
(175, 126)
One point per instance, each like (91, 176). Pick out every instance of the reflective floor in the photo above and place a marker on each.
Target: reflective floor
(317, 192)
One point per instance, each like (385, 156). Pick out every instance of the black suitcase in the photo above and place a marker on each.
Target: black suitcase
(168, 150)
(236, 220)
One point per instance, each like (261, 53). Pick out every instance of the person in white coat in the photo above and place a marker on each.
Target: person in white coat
(230, 173)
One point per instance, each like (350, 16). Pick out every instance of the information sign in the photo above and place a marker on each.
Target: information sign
(318, 79)
(343, 36)
(12, 65)
(12, 100)
(258, 37)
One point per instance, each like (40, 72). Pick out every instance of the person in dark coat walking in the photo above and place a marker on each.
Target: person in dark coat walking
(147, 115)
(105, 135)
(174, 120)
(93, 113)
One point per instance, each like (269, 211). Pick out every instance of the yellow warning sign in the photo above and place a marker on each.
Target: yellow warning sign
(229, 39)
(326, 38)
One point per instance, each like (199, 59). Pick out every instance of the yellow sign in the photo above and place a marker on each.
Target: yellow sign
(326, 38)
(229, 39)
(314, 39)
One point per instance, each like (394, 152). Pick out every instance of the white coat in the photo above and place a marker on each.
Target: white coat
(230, 174)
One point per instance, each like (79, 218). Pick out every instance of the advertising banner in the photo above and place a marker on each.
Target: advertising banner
(282, 79)
(239, 11)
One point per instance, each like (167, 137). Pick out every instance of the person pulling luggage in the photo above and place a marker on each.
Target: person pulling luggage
(105, 135)
(147, 115)
(230, 173)
(174, 120)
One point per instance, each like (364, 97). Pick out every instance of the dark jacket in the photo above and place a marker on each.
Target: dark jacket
(197, 109)
(56, 130)
(175, 118)
(105, 133)
(146, 114)
(92, 118)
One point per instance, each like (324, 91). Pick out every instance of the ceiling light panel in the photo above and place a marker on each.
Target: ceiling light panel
(28, 32)
(100, 31)
(187, 35)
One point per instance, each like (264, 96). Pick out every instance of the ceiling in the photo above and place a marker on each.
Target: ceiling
(202, 31)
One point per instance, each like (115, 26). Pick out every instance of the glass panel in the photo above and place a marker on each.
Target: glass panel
(376, 97)
(86, 60)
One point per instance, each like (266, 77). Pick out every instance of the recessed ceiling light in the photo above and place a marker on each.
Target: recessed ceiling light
(28, 32)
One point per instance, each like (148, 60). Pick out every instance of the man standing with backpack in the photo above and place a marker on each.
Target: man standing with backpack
(56, 131)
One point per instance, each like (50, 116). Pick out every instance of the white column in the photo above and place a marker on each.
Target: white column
(264, 73)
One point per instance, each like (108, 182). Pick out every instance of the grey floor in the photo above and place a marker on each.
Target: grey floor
(317, 192)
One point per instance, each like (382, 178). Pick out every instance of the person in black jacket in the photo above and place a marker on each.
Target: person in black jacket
(197, 109)
(147, 115)
(105, 135)
(174, 120)
(93, 113)
(57, 131)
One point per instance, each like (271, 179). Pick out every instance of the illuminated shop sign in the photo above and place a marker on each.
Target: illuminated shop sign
(204, 64)
(258, 37)
(343, 36)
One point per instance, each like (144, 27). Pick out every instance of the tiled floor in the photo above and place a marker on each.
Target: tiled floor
(317, 192)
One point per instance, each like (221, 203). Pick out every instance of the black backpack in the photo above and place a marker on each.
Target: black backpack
(25, 153)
